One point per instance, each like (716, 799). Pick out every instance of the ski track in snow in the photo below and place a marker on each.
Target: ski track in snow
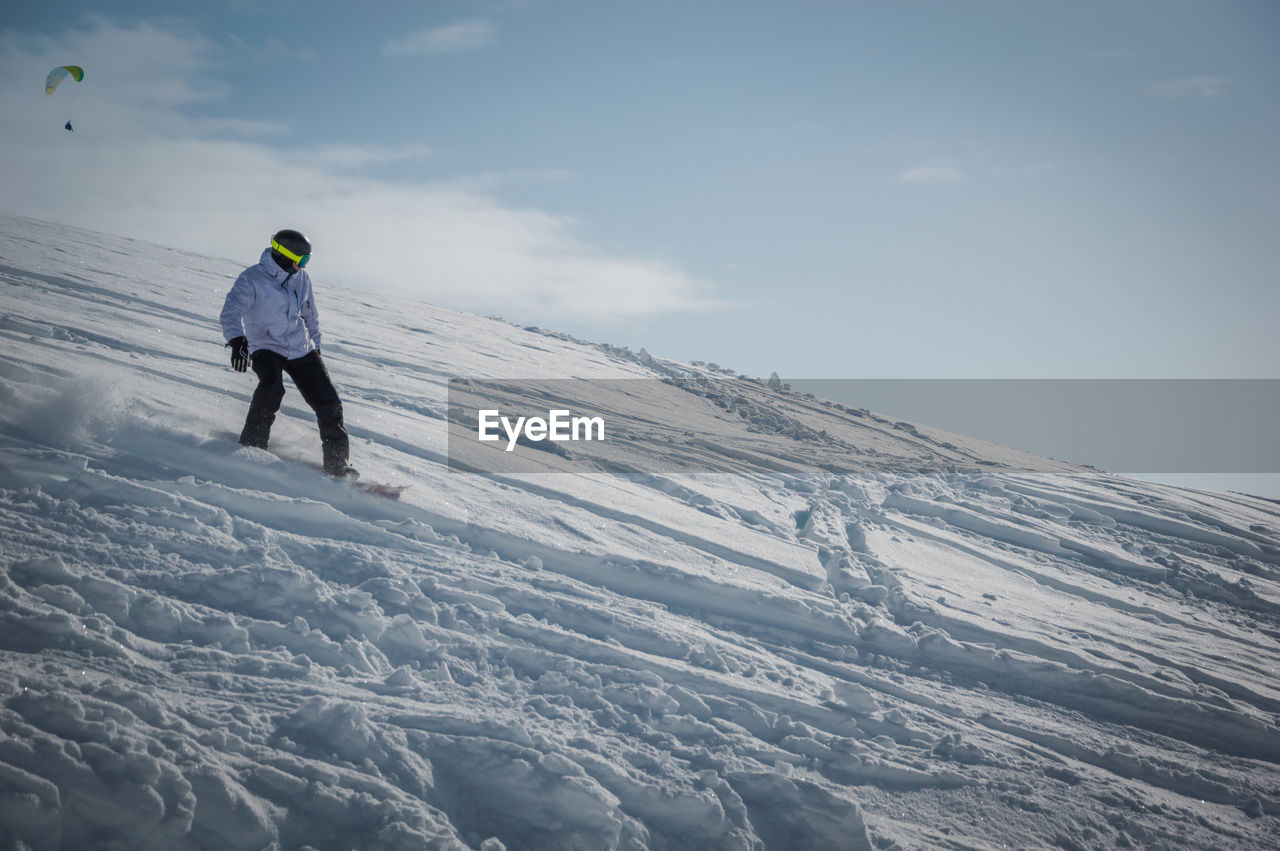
(206, 646)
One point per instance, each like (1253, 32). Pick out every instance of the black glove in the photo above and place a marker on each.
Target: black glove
(239, 353)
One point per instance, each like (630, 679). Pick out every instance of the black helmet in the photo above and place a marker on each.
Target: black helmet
(289, 247)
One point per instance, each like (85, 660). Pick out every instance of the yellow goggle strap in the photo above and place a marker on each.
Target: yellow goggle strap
(301, 260)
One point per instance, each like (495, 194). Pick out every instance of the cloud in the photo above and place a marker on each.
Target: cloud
(356, 157)
(140, 166)
(245, 128)
(493, 181)
(931, 174)
(1187, 87)
(1117, 53)
(455, 38)
(272, 48)
(146, 67)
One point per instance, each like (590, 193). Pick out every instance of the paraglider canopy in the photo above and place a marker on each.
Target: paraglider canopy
(57, 75)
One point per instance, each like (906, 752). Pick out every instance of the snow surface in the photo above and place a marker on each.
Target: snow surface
(206, 646)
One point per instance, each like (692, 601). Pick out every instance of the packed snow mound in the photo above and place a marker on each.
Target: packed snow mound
(207, 646)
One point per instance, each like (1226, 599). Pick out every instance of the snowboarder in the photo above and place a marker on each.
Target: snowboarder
(269, 320)
(69, 127)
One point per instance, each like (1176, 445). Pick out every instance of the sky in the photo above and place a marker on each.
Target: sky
(822, 189)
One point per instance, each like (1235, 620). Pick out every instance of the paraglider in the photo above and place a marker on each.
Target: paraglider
(57, 75)
(55, 78)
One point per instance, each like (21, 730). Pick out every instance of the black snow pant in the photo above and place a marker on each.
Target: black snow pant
(312, 380)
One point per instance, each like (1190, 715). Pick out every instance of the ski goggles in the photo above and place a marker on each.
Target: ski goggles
(300, 259)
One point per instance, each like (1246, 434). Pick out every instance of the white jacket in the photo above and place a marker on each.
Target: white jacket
(274, 309)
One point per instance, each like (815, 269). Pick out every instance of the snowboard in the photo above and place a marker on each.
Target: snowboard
(352, 479)
(389, 491)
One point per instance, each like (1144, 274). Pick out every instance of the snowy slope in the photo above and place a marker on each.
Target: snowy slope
(206, 646)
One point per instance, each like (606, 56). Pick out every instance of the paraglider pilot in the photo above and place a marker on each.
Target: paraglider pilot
(69, 127)
(270, 321)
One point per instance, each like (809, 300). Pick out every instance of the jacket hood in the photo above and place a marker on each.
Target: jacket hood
(271, 267)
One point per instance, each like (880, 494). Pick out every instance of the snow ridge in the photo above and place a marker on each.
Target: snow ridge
(209, 646)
